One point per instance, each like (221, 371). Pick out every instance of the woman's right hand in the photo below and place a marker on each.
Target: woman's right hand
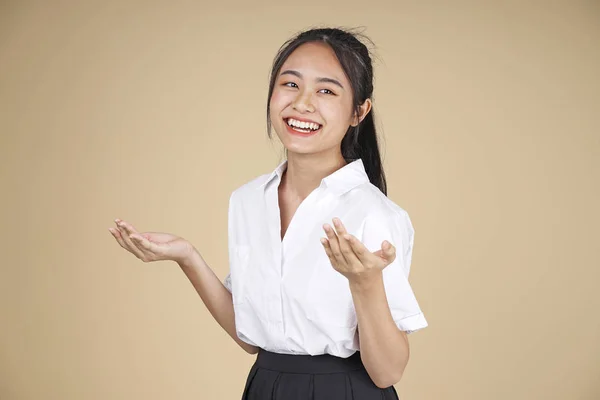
(152, 246)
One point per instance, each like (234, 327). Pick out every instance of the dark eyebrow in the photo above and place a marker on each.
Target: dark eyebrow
(326, 80)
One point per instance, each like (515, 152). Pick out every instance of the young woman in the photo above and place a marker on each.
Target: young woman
(319, 255)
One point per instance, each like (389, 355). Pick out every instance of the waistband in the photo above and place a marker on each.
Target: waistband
(305, 364)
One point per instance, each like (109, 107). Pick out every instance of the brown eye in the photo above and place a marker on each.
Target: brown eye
(289, 84)
(327, 91)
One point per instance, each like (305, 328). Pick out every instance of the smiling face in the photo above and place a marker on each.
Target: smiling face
(311, 106)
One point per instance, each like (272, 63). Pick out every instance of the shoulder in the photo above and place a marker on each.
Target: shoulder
(383, 220)
(383, 211)
(248, 189)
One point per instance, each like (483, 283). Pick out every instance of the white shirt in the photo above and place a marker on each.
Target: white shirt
(287, 296)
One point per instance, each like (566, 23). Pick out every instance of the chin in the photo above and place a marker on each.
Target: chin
(292, 148)
(299, 144)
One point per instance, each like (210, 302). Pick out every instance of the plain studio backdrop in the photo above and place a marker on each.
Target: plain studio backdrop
(154, 112)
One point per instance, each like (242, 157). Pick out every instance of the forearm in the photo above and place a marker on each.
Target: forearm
(383, 347)
(215, 296)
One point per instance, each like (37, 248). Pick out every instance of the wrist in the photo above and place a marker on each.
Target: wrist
(192, 259)
(366, 283)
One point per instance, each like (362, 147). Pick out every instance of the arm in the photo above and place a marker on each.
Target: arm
(384, 348)
(215, 296)
(155, 246)
(384, 316)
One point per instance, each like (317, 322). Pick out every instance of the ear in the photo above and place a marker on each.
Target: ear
(363, 110)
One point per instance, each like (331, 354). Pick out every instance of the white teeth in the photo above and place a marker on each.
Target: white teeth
(303, 125)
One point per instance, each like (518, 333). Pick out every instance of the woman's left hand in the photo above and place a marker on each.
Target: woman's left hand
(351, 258)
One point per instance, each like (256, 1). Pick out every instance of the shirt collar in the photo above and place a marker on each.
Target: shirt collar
(341, 181)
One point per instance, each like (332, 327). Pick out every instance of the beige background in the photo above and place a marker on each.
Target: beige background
(154, 112)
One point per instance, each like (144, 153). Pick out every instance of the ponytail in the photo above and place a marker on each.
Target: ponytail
(361, 142)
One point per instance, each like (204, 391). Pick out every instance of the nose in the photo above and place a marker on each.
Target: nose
(303, 103)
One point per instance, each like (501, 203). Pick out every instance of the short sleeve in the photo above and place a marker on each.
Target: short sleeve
(230, 239)
(398, 230)
(227, 282)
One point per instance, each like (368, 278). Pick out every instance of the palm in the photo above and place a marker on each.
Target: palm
(161, 238)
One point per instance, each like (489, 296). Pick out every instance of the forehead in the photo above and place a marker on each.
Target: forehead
(315, 59)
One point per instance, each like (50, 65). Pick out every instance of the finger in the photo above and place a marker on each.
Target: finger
(125, 230)
(151, 249)
(345, 247)
(117, 235)
(334, 244)
(120, 239)
(157, 237)
(388, 251)
(142, 243)
(360, 251)
(327, 248)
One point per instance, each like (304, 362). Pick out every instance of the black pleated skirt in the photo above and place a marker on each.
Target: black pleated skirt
(304, 377)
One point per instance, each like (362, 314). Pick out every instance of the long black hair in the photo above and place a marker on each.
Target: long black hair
(359, 141)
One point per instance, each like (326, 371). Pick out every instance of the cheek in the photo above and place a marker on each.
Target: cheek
(347, 111)
(274, 110)
(274, 98)
(278, 101)
(276, 107)
(336, 113)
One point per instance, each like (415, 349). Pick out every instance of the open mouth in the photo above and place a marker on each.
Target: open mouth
(305, 128)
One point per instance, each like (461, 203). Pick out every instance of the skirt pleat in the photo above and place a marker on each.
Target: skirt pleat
(276, 376)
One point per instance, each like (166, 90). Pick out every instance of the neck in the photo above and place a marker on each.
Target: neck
(304, 172)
